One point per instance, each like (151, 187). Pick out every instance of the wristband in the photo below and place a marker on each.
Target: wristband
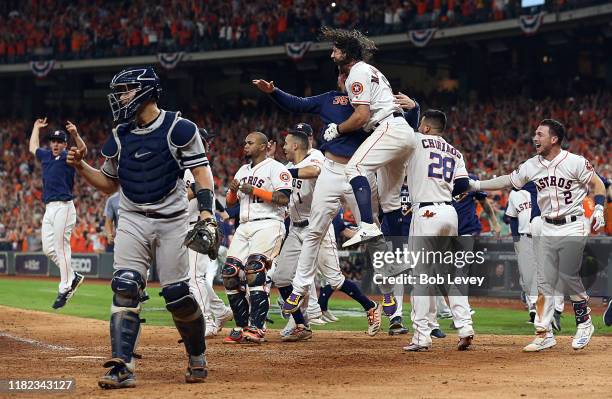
(263, 194)
(600, 200)
(294, 173)
(205, 198)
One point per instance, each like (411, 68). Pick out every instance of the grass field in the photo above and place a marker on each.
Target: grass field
(93, 301)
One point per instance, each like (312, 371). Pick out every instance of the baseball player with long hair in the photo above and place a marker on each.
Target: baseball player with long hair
(390, 142)
(263, 188)
(60, 214)
(563, 180)
(145, 158)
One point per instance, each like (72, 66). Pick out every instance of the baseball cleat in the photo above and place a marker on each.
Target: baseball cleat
(607, 316)
(196, 370)
(543, 340)
(254, 334)
(389, 305)
(464, 343)
(328, 316)
(365, 233)
(299, 333)
(62, 297)
(412, 347)
(119, 376)
(293, 303)
(556, 321)
(374, 319)
(224, 318)
(437, 333)
(318, 321)
(211, 327)
(396, 326)
(235, 337)
(584, 332)
(77, 280)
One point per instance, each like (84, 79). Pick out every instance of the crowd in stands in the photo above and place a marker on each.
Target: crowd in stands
(495, 137)
(68, 29)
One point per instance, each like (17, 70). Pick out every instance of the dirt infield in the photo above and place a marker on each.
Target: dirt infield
(42, 345)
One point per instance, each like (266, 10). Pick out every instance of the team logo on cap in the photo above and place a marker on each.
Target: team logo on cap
(356, 88)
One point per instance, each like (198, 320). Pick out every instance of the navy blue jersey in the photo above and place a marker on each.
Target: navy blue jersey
(332, 107)
(465, 205)
(58, 176)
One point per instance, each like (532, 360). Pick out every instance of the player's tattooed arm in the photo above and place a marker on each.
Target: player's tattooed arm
(488, 208)
(35, 137)
(280, 197)
(93, 176)
(357, 120)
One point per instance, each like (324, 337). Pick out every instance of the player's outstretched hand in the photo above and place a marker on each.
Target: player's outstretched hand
(74, 157)
(71, 128)
(331, 132)
(597, 218)
(404, 101)
(265, 86)
(40, 123)
(234, 185)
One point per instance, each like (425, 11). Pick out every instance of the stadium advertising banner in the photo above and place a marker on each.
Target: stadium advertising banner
(3, 263)
(85, 264)
(33, 264)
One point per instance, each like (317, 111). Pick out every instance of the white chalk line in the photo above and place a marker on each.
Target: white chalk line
(36, 343)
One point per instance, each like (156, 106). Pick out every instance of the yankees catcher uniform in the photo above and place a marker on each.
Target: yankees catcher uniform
(431, 173)
(256, 243)
(201, 270)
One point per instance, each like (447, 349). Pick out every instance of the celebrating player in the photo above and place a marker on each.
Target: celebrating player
(563, 180)
(144, 162)
(60, 214)
(263, 188)
(391, 141)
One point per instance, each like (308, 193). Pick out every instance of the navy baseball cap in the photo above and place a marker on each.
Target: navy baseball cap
(58, 135)
(303, 128)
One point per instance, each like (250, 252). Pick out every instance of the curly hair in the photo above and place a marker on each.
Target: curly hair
(353, 43)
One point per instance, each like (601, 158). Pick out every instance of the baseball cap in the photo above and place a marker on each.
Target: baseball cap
(303, 128)
(58, 135)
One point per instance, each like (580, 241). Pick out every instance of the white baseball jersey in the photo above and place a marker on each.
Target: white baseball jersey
(194, 213)
(301, 196)
(367, 86)
(562, 183)
(269, 175)
(432, 169)
(519, 206)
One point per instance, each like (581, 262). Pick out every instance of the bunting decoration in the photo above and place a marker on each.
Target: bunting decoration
(420, 38)
(42, 68)
(170, 60)
(531, 23)
(296, 51)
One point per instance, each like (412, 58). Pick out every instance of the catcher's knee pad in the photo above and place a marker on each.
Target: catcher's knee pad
(187, 316)
(128, 287)
(255, 270)
(180, 302)
(231, 274)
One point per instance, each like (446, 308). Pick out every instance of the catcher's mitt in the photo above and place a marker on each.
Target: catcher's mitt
(204, 238)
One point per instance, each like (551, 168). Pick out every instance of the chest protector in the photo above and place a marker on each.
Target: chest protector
(148, 171)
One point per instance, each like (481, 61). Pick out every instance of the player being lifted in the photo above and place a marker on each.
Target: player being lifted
(263, 188)
(391, 141)
(562, 180)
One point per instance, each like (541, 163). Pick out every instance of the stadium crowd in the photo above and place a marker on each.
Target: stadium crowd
(36, 29)
(495, 137)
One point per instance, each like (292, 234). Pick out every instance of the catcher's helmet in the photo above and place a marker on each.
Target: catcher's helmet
(131, 88)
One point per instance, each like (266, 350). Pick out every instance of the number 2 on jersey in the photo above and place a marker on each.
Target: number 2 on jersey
(441, 167)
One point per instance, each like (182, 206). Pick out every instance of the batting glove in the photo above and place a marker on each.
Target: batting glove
(598, 217)
(331, 132)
